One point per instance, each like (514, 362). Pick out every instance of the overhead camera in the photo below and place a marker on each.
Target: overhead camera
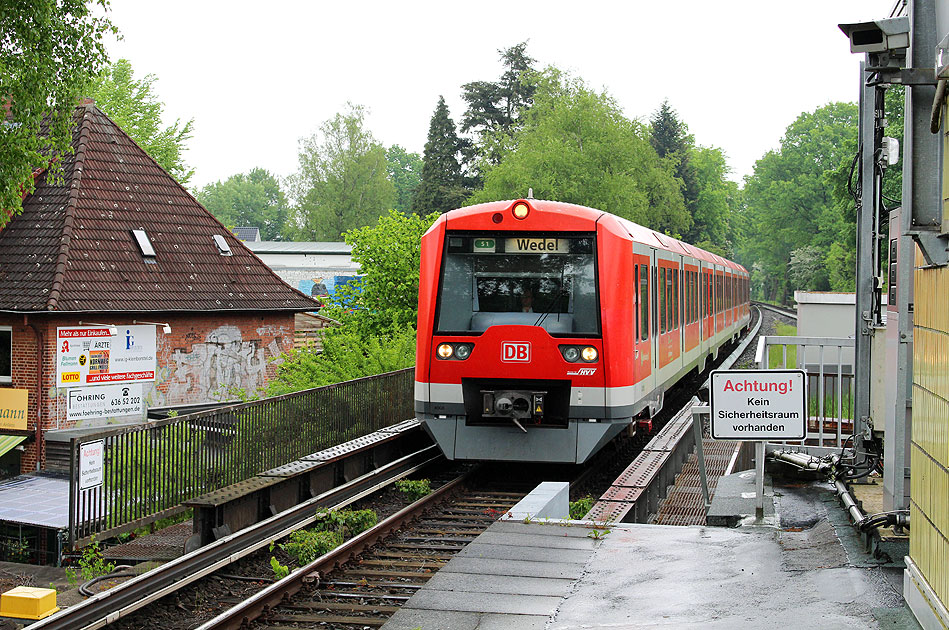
(877, 36)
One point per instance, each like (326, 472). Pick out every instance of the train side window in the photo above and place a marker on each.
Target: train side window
(675, 299)
(644, 300)
(662, 300)
(639, 304)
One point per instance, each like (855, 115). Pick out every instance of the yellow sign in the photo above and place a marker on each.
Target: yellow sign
(13, 404)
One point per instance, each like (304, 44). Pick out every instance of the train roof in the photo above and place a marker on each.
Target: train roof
(638, 233)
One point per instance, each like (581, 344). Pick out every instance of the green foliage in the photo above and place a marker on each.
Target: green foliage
(279, 571)
(580, 507)
(347, 354)
(414, 489)
(49, 52)
(91, 565)
(495, 108)
(575, 145)
(598, 534)
(251, 200)
(347, 523)
(306, 545)
(441, 187)
(134, 107)
(781, 357)
(405, 171)
(377, 312)
(793, 201)
(342, 182)
(388, 253)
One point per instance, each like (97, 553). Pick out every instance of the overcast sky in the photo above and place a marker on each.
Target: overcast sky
(257, 76)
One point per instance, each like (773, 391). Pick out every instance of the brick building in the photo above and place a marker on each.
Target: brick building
(118, 258)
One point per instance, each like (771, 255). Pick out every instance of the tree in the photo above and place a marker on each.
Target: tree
(342, 182)
(405, 172)
(716, 199)
(133, 106)
(253, 200)
(496, 108)
(49, 51)
(790, 199)
(672, 141)
(442, 185)
(575, 145)
(386, 296)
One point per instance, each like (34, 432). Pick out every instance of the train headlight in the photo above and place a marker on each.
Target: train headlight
(570, 353)
(445, 351)
(462, 351)
(589, 354)
(521, 210)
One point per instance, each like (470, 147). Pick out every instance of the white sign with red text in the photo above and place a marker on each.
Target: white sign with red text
(91, 464)
(758, 404)
(89, 355)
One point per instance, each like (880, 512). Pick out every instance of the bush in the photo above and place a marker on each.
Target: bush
(413, 489)
(306, 545)
(348, 523)
(579, 508)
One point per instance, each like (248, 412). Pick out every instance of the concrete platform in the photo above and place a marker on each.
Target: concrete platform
(734, 500)
(566, 577)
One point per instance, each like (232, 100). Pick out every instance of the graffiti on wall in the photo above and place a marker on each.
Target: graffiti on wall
(223, 367)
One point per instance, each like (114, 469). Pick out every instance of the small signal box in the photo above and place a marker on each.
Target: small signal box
(27, 602)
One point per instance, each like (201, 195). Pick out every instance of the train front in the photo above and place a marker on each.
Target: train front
(510, 361)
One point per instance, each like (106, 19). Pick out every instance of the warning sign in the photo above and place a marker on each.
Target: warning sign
(758, 404)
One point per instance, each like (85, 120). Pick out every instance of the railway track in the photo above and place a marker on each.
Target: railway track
(364, 582)
(109, 606)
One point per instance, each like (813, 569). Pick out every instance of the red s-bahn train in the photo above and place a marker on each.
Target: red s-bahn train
(544, 328)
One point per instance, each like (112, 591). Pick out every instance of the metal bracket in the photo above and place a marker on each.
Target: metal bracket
(934, 247)
(903, 76)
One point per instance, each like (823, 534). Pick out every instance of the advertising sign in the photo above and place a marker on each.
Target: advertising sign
(87, 355)
(90, 464)
(758, 405)
(104, 401)
(13, 408)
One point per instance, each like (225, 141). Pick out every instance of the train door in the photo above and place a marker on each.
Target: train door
(654, 294)
(719, 300)
(642, 354)
(729, 316)
(708, 313)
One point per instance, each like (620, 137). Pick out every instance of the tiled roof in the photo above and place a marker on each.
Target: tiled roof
(72, 248)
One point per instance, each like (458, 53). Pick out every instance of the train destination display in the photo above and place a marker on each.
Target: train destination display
(758, 404)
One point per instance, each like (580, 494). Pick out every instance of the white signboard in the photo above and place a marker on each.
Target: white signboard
(90, 464)
(104, 401)
(758, 405)
(88, 355)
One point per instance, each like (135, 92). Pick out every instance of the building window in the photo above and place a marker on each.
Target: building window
(6, 354)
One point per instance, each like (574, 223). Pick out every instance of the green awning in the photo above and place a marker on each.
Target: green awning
(9, 441)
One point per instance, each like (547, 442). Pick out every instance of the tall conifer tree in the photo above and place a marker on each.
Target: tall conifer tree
(442, 185)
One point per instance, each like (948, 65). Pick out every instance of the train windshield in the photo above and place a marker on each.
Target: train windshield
(523, 279)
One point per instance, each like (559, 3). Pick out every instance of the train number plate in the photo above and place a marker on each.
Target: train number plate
(516, 351)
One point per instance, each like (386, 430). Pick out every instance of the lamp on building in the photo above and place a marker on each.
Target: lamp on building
(165, 327)
(113, 329)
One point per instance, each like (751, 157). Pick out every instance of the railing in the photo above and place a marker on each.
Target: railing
(828, 362)
(148, 470)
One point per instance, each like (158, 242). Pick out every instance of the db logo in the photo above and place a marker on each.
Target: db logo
(516, 351)
(70, 377)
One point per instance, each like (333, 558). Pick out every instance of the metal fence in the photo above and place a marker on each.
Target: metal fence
(148, 470)
(828, 362)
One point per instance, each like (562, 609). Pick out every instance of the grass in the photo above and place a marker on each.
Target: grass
(776, 353)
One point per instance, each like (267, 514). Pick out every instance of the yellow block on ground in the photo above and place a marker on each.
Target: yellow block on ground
(27, 602)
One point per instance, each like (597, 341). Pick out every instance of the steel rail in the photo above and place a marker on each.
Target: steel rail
(777, 309)
(109, 606)
(251, 608)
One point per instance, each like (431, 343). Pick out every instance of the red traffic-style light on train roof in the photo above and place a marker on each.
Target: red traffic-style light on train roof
(520, 210)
